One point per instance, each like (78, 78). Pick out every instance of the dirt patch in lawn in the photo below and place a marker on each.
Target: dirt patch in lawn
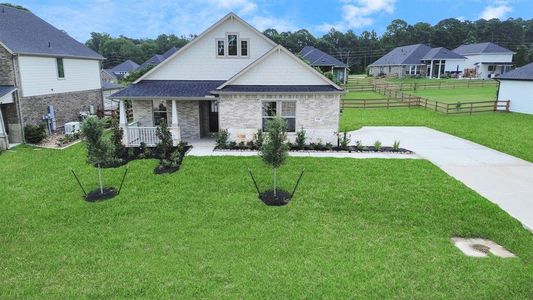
(280, 199)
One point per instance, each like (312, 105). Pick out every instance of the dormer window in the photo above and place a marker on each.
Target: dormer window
(232, 46)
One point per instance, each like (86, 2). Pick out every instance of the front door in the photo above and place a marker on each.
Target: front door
(213, 116)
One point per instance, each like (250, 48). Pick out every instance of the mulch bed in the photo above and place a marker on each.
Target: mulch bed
(160, 170)
(350, 149)
(96, 196)
(282, 198)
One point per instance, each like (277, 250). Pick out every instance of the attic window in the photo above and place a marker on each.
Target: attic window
(220, 47)
(244, 47)
(232, 45)
(60, 68)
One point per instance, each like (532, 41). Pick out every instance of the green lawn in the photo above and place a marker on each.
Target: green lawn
(427, 80)
(356, 229)
(507, 132)
(459, 94)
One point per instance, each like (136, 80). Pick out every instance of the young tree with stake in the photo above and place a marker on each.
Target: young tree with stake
(274, 149)
(99, 149)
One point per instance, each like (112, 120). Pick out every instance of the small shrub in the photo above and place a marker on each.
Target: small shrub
(275, 150)
(301, 138)
(146, 153)
(319, 146)
(396, 146)
(250, 145)
(34, 134)
(344, 139)
(117, 134)
(241, 145)
(165, 145)
(260, 138)
(359, 145)
(221, 139)
(377, 146)
(329, 146)
(232, 145)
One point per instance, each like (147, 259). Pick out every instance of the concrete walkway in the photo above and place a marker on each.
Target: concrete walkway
(503, 179)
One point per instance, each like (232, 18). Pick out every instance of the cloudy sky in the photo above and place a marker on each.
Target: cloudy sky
(141, 19)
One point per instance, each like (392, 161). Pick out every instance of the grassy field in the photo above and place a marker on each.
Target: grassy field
(463, 95)
(357, 228)
(427, 80)
(507, 132)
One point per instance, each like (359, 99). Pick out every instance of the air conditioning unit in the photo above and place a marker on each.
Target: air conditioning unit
(72, 127)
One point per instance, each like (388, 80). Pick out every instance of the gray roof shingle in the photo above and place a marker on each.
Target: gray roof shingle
(406, 55)
(169, 88)
(127, 66)
(522, 73)
(158, 58)
(279, 88)
(481, 48)
(25, 33)
(6, 89)
(441, 53)
(319, 58)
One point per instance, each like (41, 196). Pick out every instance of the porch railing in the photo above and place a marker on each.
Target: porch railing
(146, 135)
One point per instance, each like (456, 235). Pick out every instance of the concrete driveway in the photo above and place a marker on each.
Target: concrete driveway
(503, 179)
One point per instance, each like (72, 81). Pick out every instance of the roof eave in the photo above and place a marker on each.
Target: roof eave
(160, 98)
(218, 92)
(58, 55)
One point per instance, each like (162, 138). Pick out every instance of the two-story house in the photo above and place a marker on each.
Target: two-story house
(486, 60)
(41, 66)
(231, 77)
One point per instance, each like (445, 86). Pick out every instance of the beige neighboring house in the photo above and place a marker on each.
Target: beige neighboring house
(42, 69)
(230, 77)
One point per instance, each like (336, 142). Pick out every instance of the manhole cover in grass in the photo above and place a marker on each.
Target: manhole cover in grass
(480, 248)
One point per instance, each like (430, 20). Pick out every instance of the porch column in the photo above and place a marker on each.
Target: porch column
(123, 121)
(431, 69)
(174, 128)
(440, 67)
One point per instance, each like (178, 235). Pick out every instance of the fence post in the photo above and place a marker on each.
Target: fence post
(364, 104)
(436, 105)
(468, 84)
(447, 108)
(507, 105)
(388, 99)
(471, 107)
(496, 105)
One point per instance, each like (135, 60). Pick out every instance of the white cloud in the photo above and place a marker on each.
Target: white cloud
(359, 13)
(496, 11)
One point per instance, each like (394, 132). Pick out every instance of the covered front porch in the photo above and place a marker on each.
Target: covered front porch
(186, 119)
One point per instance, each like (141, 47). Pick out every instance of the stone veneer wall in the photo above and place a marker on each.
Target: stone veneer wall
(67, 106)
(318, 114)
(7, 75)
(188, 116)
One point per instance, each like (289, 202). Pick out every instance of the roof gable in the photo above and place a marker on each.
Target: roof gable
(319, 58)
(202, 46)
(406, 55)
(127, 66)
(441, 53)
(279, 67)
(24, 33)
(522, 73)
(481, 48)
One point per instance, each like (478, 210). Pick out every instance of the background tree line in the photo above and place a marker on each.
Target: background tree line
(357, 50)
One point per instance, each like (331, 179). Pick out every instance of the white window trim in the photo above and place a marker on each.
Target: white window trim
(57, 68)
(226, 46)
(216, 47)
(279, 112)
(247, 48)
(159, 111)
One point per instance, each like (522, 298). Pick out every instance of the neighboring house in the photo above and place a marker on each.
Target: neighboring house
(486, 60)
(325, 62)
(517, 86)
(230, 77)
(124, 69)
(401, 61)
(108, 76)
(158, 58)
(42, 66)
(441, 61)
(108, 89)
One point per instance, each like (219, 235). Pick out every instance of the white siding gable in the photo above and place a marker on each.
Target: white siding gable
(280, 68)
(38, 75)
(471, 60)
(200, 61)
(519, 92)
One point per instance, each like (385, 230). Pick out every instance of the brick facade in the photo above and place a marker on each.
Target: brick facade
(317, 114)
(188, 116)
(67, 106)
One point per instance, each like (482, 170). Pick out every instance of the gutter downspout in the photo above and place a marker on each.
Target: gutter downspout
(16, 72)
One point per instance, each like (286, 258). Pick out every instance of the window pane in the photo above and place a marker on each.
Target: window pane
(232, 45)
(269, 109)
(244, 48)
(60, 68)
(291, 124)
(158, 116)
(288, 109)
(220, 48)
(160, 105)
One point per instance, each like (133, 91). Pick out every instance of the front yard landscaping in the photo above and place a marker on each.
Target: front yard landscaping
(356, 228)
